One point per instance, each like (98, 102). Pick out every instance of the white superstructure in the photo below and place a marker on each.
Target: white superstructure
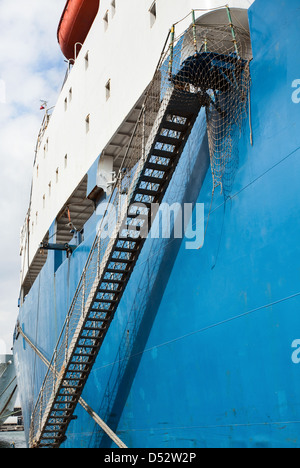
(97, 109)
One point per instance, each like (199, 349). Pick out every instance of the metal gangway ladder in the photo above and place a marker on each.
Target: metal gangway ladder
(96, 302)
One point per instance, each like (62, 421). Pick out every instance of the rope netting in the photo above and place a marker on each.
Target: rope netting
(213, 61)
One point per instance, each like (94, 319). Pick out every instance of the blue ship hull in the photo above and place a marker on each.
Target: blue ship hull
(202, 350)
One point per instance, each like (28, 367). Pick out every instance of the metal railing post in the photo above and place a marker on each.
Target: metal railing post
(232, 30)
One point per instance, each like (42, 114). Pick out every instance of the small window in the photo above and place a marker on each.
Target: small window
(153, 14)
(105, 20)
(57, 173)
(87, 123)
(108, 89)
(86, 60)
(66, 104)
(44, 201)
(113, 8)
(36, 217)
(66, 161)
(70, 94)
(37, 171)
(50, 186)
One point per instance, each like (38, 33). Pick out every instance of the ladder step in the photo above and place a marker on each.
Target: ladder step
(100, 311)
(118, 260)
(64, 387)
(169, 141)
(61, 394)
(82, 372)
(183, 113)
(53, 431)
(82, 355)
(125, 250)
(104, 292)
(45, 445)
(148, 191)
(67, 382)
(177, 127)
(113, 281)
(90, 329)
(49, 430)
(87, 345)
(145, 204)
(64, 418)
(138, 217)
(108, 301)
(151, 193)
(153, 180)
(108, 291)
(51, 438)
(121, 260)
(92, 319)
(111, 270)
(129, 238)
(163, 154)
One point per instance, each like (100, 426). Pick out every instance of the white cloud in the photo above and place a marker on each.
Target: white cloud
(31, 68)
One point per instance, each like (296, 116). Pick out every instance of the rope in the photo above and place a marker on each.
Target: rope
(82, 403)
(14, 413)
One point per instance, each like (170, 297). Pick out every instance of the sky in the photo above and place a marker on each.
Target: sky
(32, 68)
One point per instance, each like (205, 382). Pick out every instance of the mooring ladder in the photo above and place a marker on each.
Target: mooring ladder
(170, 132)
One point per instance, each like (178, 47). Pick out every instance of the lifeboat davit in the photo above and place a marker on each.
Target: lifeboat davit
(75, 23)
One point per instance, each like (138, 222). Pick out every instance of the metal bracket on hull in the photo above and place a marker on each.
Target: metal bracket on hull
(59, 247)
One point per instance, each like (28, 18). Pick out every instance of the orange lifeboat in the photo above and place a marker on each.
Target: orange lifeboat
(75, 23)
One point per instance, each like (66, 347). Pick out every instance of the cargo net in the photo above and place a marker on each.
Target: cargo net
(213, 61)
(207, 61)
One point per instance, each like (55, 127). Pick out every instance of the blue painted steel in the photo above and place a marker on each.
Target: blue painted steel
(199, 353)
